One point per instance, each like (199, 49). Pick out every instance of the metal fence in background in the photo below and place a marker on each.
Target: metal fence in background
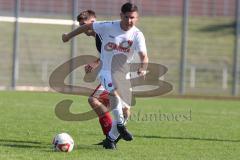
(110, 8)
(198, 40)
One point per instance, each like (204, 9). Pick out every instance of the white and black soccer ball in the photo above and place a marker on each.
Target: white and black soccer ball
(63, 142)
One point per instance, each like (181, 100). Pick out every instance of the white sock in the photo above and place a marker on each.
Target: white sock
(117, 111)
(113, 133)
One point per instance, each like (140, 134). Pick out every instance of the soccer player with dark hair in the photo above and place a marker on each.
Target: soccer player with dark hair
(120, 37)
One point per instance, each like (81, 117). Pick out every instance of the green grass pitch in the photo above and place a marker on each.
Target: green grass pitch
(164, 128)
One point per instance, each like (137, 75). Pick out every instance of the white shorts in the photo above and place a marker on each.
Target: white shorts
(107, 83)
(102, 95)
(106, 80)
(125, 105)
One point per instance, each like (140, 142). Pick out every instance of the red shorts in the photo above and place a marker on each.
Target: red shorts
(101, 94)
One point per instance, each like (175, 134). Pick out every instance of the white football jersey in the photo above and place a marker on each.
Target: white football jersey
(117, 41)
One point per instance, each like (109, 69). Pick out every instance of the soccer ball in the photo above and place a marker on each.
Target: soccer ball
(63, 142)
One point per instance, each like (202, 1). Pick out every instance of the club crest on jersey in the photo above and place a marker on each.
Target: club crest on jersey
(122, 47)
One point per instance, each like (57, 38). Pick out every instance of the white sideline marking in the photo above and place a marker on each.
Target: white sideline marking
(38, 20)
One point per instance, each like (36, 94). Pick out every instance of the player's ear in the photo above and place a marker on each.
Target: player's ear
(90, 26)
(121, 15)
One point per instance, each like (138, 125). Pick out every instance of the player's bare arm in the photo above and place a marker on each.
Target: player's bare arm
(82, 29)
(144, 63)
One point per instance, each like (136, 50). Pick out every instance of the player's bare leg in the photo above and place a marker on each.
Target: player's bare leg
(126, 114)
(102, 111)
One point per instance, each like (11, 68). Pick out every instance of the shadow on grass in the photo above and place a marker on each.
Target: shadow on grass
(19, 141)
(190, 138)
(88, 147)
(22, 144)
(81, 147)
(230, 27)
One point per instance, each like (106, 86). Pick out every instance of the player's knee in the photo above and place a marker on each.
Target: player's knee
(92, 101)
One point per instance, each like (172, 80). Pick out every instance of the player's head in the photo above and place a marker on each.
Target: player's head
(86, 17)
(129, 15)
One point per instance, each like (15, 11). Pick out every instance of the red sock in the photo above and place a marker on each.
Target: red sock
(106, 122)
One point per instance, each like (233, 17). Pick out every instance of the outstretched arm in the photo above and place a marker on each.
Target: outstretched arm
(84, 28)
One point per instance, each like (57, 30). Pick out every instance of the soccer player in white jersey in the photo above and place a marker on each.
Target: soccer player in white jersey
(98, 100)
(118, 37)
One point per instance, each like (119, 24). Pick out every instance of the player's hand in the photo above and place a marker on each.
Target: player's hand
(88, 68)
(141, 72)
(91, 66)
(65, 37)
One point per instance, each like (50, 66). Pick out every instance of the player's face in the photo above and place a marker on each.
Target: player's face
(90, 20)
(128, 20)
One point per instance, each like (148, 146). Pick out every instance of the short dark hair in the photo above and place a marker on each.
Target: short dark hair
(129, 7)
(85, 15)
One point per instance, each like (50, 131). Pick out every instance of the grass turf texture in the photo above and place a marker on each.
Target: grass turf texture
(204, 129)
